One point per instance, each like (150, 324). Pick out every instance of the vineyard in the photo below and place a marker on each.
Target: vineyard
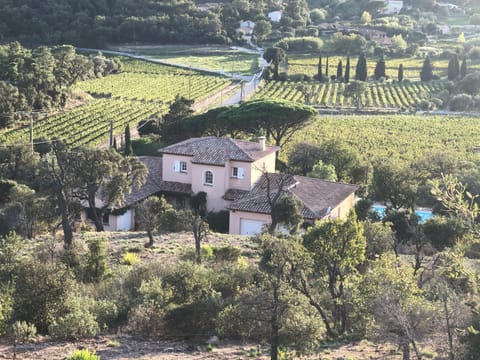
(403, 137)
(88, 124)
(378, 95)
(142, 90)
(308, 65)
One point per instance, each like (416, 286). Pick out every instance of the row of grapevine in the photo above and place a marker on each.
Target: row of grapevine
(155, 87)
(378, 95)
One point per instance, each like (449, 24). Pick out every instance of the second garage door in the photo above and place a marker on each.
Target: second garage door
(251, 227)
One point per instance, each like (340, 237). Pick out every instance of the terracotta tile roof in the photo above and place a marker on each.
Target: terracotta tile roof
(218, 151)
(318, 196)
(154, 183)
(234, 194)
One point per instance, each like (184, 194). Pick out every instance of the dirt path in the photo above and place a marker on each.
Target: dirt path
(127, 347)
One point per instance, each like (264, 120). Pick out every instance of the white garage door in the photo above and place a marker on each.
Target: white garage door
(251, 227)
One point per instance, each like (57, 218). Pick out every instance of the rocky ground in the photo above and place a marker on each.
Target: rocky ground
(125, 347)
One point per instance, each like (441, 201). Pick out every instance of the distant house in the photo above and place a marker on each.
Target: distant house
(233, 174)
(380, 37)
(275, 16)
(245, 30)
(247, 27)
(393, 7)
(207, 6)
(449, 6)
(445, 29)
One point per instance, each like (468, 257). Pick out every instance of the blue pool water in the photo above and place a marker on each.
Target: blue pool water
(423, 214)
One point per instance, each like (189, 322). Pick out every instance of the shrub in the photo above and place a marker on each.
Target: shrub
(196, 319)
(84, 354)
(444, 232)
(41, 293)
(218, 221)
(23, 331)
(346, 44)
(470, 84)
(147, 319)
(474, 53)
(307, 43)
(318, 15)
(226, 253)
(174, 221)
(5, 309)
(106, 313)
(130, 259)
(460, 102)
(472, 250)
(78, 323)
(379, 239)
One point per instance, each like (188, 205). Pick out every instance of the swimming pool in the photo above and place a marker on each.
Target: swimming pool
(423, 214)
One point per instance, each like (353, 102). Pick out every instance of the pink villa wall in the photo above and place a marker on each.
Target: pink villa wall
(215, 193)
(170, 175)
(341, 211)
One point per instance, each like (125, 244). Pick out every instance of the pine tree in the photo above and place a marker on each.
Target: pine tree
(463, 68)
(319, 70)
(128, 142)
(380, 69)
(426, 74)
(400, 73)
(339, 70)
(361, 69)
(346, 78)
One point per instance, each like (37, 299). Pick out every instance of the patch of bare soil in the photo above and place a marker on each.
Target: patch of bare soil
(125, 347)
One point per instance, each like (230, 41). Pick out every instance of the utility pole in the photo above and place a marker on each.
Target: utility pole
(190, 83)
(111, 133)
(242, 84)
(31, 133)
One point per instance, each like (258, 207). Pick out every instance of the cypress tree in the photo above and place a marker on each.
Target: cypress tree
(380, 69)
(326, 69)
(347, 71)
(319, 70)
(453, 68)
(426, 74)
(463, 68)
(400, 73)
(361, 69)
(128, 142)
(339, 70)
(457, 65)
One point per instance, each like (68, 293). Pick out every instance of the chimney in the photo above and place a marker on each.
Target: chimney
(261, 142)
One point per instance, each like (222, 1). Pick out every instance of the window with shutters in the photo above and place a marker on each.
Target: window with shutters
(208, 178)
(237, 172)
